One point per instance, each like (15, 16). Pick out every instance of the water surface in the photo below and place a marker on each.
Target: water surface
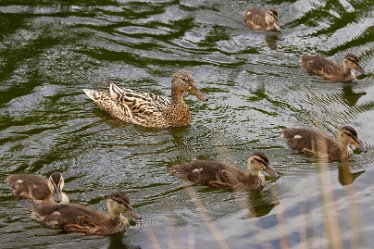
(50, 51)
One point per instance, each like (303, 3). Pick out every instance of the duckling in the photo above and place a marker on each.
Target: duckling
(78, 218)
(147, 109)
(261, 20)
(38, 188)
(217, 174)
(330, 70)
(315, 143)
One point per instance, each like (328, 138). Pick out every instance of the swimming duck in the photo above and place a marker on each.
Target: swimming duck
(218, 174)
(78, 218)
(38, 188)
(147, 109)
(315, 143)
(329, 69)
(261, 20)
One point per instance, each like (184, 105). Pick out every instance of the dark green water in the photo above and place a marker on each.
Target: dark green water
(51, 50)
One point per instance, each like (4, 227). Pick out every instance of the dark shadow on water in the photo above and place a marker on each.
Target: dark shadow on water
(345, 176)
(260, 203)
(271, 40)
(116, 242)
(349, 96)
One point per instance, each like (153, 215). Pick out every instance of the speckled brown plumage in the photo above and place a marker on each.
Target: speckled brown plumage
(330, 70)
(38, 188)
(261, 20)
(147, 109)
(224, 175)
(77, 218)
(315, 143)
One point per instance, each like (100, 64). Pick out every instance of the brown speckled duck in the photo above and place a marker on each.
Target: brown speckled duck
(261, 20)
(315, 143)
(147, 109)
(217, 174)
(38, 188)
(78, 218)
(329, 69)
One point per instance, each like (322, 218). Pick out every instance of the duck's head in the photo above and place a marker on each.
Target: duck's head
(182, 80)
(348, 135)
(258, 162)
(271, 18)
(118, 203)
(55, 185)
(351, 61)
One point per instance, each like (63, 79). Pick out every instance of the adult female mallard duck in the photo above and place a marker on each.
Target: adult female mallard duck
(78, 218)
(38, 188)
(329, 69)
(147, 109)
(315, 143)
(261, 20)
(217, 174)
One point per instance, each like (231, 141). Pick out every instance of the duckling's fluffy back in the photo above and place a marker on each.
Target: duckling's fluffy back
(205, 172)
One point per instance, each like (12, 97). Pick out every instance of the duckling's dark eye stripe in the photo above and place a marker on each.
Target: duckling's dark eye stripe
(350, 135)
(260, 161)
(353, 61)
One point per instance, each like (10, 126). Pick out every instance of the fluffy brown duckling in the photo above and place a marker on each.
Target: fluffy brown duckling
(315, 143)
(261, 20)
(78, 218)
(38, 188)
(329, 69)
(217, 174)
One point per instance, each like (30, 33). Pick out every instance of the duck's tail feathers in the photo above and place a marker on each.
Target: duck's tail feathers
(91, 94)
(116, 92)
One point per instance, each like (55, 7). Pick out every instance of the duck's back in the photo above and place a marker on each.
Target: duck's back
(321, 66)
(205, 172)
(72, 218)
(305, 140)
(144, 109)
(138, 101)
(255, 18)
(28, 186)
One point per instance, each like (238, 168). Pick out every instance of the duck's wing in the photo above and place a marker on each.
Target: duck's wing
(233, 174)
(219, 184)
(28, 186)
(255, 18)
(310, 142)
(138, 108)
(199, 171)
(321, 66)
(302, 139)
(138, 102)
(70, 217)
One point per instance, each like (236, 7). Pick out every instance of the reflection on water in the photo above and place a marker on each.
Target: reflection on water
(271, 40)
(50, 51)
(346, 176)
(260, 203)
(349, 96)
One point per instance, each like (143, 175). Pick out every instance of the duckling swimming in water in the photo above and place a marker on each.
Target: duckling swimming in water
(78, 218)
(261, 20)
(147, 109)
(217, 174)
(38, 188)
(330, 70)
(315, 143)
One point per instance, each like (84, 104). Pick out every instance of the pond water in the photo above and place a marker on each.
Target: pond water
(51, 50)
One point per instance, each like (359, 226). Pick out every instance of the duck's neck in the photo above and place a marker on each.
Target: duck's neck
(344, 149)
(113, 212)
(177, 96)
(256, 173)
(347, 72)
